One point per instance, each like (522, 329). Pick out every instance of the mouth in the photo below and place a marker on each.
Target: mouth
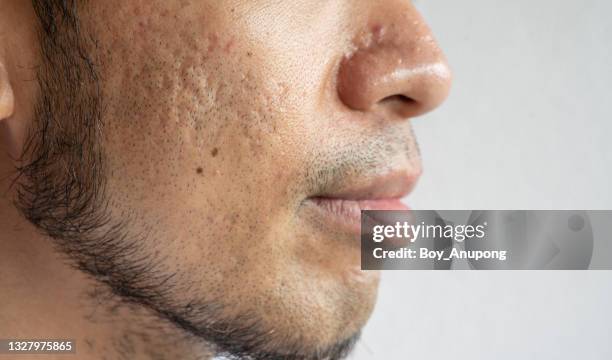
(342, 206)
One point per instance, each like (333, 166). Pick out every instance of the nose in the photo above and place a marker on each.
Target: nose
(396, 65)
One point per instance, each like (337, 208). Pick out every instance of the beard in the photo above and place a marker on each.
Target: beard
(61, 189)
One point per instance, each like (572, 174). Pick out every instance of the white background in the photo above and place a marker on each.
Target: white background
(528, 126)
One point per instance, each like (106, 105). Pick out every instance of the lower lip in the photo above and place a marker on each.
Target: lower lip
(348, 212)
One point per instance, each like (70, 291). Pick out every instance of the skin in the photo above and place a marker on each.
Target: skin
(183, 226)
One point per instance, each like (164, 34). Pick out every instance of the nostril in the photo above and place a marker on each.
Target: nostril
(402, 99)
(398, 98)
(402, 105)
(398, 101)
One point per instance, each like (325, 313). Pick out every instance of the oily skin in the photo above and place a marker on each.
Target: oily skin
(217, 123)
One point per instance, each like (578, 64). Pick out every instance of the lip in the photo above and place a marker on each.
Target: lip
(343, 206)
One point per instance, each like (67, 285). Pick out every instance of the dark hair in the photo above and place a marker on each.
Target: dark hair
(53, 14)
(59, 176)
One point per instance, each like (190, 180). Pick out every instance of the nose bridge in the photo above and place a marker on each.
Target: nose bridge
(395, 57)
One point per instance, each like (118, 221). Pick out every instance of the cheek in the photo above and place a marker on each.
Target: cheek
(194, 132)
(179, 91)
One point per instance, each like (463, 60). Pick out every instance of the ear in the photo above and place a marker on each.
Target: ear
(7, 99)
(8, 143)
(19, 60)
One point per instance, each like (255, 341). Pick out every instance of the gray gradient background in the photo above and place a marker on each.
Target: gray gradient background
(528, 126)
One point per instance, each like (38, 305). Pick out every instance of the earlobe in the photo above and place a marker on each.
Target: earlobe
(7, 99)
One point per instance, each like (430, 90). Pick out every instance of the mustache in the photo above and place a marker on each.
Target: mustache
(338, 166)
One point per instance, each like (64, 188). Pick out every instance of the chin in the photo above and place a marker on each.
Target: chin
(331, 298)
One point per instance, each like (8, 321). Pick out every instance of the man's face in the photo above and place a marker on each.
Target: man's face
(236, 143)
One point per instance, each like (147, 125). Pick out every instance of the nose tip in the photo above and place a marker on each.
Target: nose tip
(401, 70)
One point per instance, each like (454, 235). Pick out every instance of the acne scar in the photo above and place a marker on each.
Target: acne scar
(378, 31)
(229, 46)
(214, 152)
(212, 42)
(199, 170)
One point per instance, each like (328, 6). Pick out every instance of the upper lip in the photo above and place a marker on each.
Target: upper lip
(394, 184)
